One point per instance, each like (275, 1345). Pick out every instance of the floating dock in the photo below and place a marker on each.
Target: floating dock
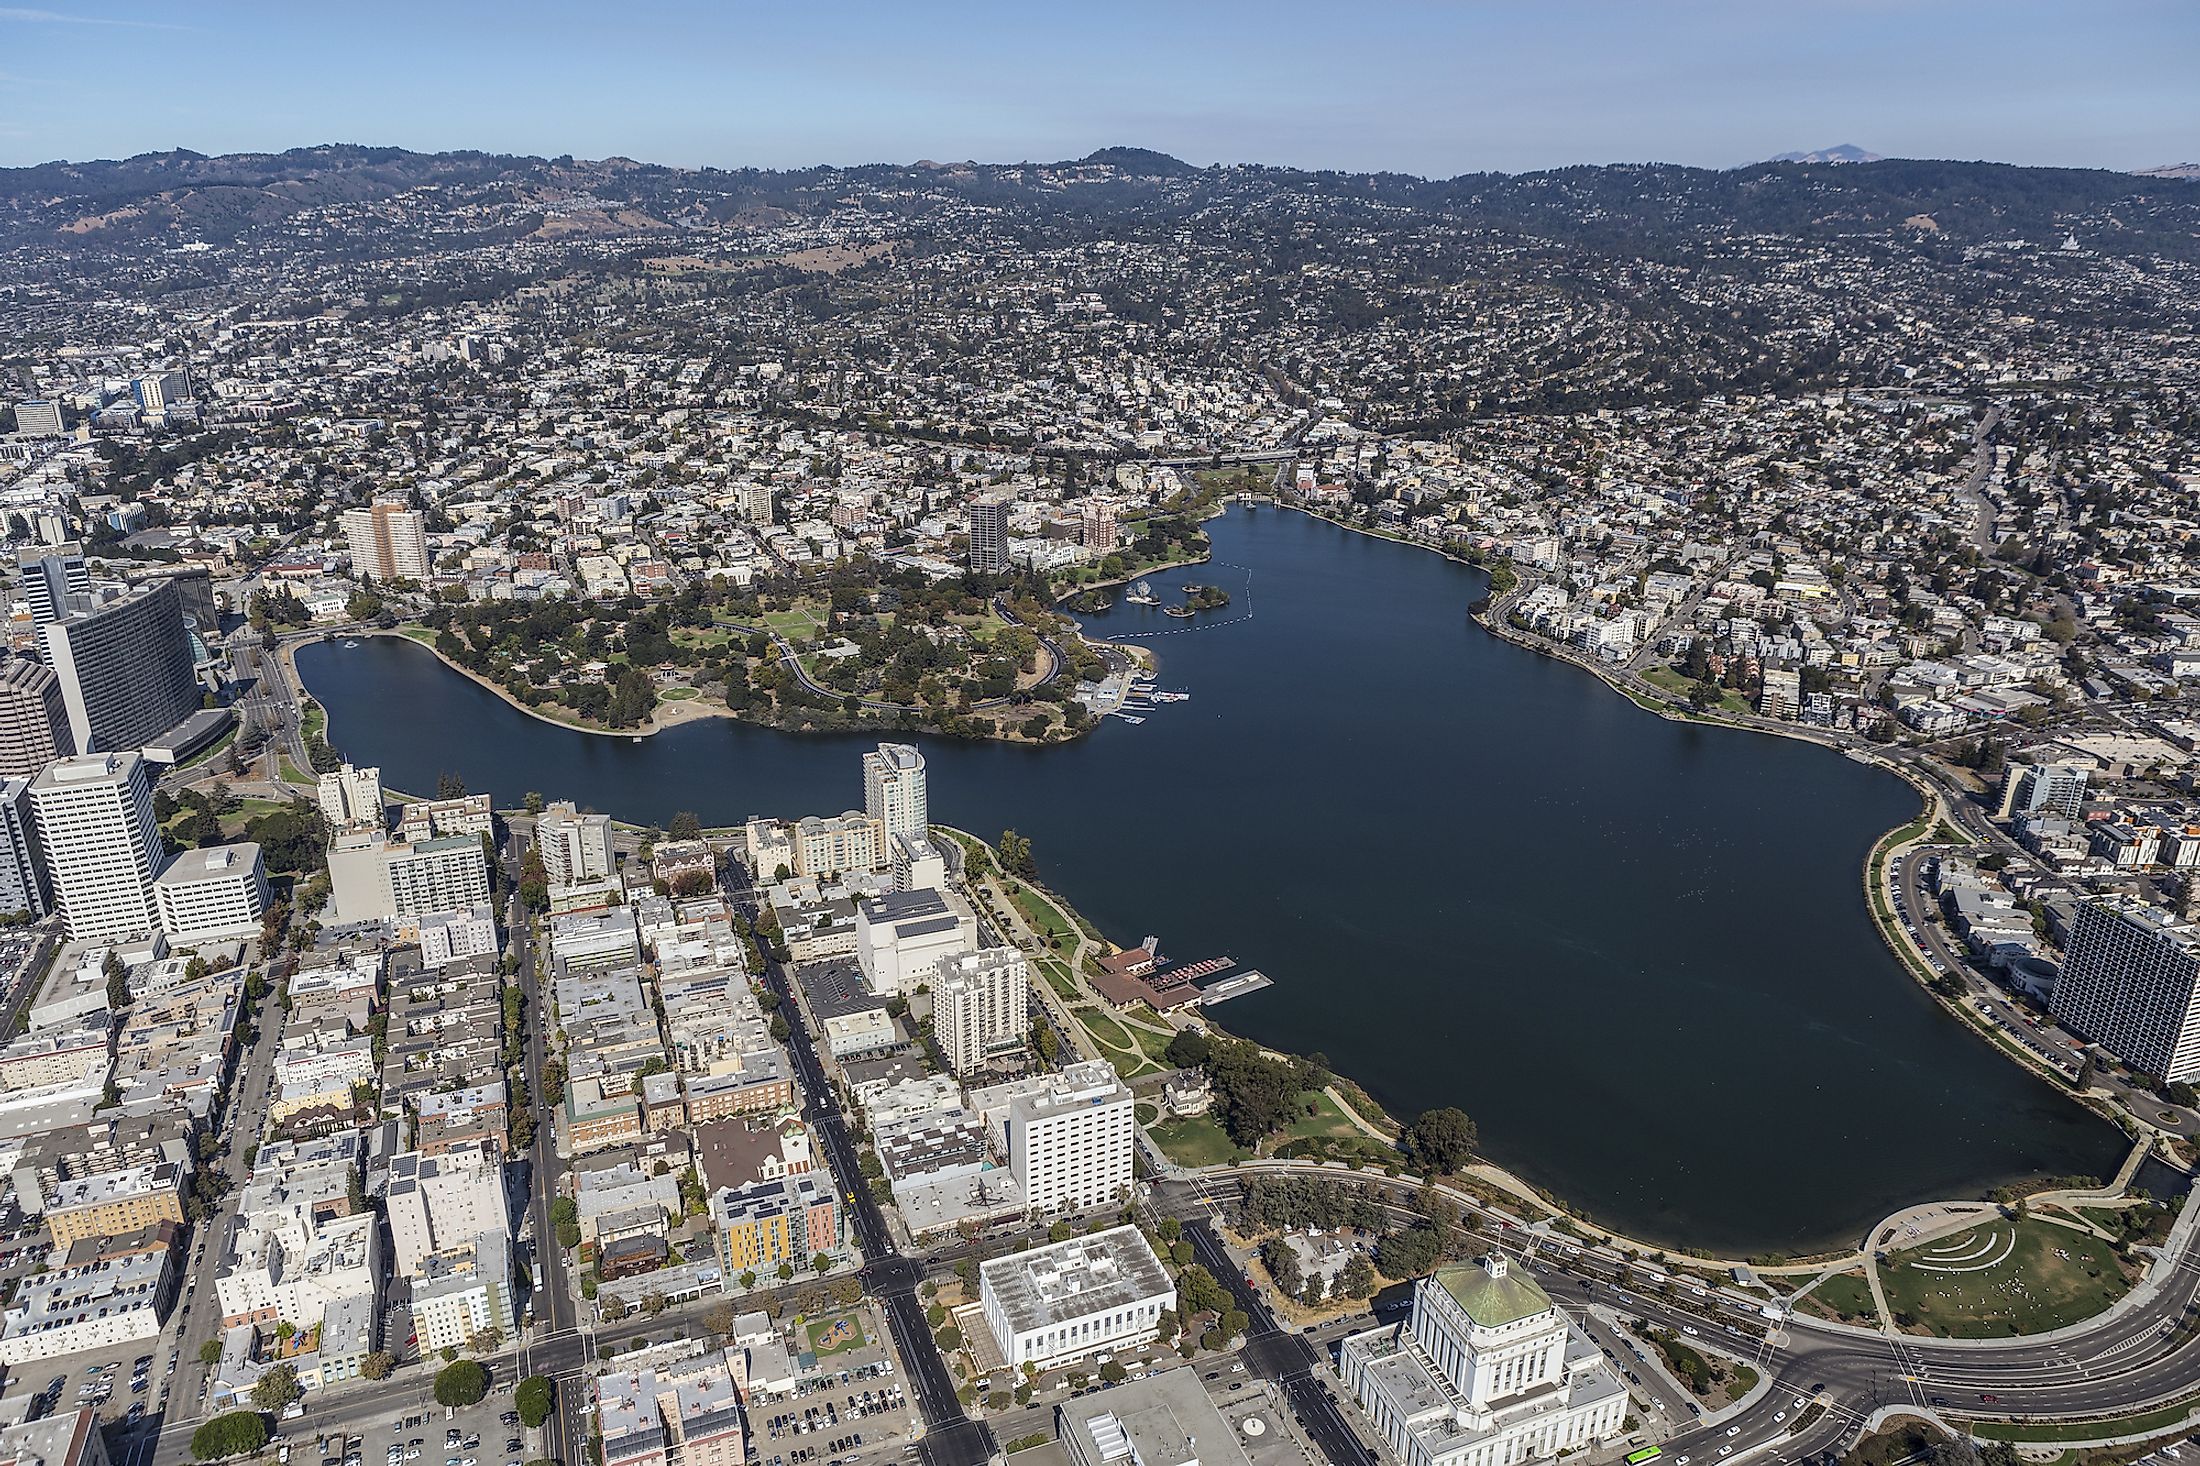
(1234, 987)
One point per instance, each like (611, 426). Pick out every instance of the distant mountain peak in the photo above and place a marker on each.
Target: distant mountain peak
(1140, 160)
(2190, 172)
(1839, 153)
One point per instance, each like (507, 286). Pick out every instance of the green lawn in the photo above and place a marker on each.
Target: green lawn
(292, 776)
(1104, 1028)
(425, 635)
(1045, 917)
(1729, 701)
(711, 636)
(312, 721)
(2152, 1421)
(800, 624)
(1059, 979)
(1847, 1296)
(1326, 1121)
(2043, 1278)
(1196, 1142)
(677, 694)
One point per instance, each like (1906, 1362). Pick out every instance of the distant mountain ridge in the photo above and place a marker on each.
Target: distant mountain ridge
(1838, 153)
(2190, 172)
(162, 200)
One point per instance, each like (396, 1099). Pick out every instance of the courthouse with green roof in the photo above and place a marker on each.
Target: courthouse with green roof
(1486, 1372)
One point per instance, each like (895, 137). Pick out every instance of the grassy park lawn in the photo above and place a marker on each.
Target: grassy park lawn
(677, 694)
(798, 624)
(425, 635)
(2002, 1279)
(1673, 681)
(1196, 1142)
(1058, 978)
(291, 775)
(312, 721)
(1847, 1296)
(710, 636)
(1045, 917)
(1326, 1121)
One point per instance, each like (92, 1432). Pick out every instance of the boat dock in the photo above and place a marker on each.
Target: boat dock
(1237, 986)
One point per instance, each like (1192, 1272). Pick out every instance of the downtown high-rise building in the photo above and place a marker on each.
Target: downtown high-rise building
(55, 580)
(387, 541)
(893, 791)
(980, 1006)
(34, 722)
(126, 669)
(989, 535)
(2130, 982)
(22, 869)
(94, 815)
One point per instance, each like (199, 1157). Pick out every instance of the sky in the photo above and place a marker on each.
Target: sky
(1432, 87)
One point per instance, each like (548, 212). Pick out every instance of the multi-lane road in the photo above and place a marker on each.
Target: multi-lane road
(2141, 1354)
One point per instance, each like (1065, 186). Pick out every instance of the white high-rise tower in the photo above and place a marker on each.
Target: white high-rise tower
(893, 791)
(102, 845)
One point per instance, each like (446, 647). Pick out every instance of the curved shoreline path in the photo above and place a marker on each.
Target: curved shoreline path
(1637, 952)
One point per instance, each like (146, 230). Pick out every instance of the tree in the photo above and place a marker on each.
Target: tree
(1440, 1141)
(237, 1433)
(612, 1307)
(1358, 1278)
(1015, 854)
(378, 1364)
(821, 1263)
(1188, 1050)
(118, 981)
(450, 786)
(461, 1384)
(1113, 1373)
(534, 1399)
(685, 826)
(210, 1353)
(275, 1390)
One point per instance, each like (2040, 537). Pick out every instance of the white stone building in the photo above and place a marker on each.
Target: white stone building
(1486, 1372)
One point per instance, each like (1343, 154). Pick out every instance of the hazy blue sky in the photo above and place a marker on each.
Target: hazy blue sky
(1414, 85)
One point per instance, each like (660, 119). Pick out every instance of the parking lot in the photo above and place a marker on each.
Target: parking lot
(416, 1432)
(852, 1403)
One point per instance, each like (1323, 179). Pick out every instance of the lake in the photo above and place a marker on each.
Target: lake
(1635, 951)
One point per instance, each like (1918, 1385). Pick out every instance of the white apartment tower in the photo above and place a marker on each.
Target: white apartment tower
(95, 823)
(52, 577)
(893, 791)
(576, 847)
(214, 894)
(980, 1006)
(1069, 1146)
(387, 541)
(352, 796)
(2128, 983)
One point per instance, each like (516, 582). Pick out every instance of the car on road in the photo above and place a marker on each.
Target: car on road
(1733, 1430)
